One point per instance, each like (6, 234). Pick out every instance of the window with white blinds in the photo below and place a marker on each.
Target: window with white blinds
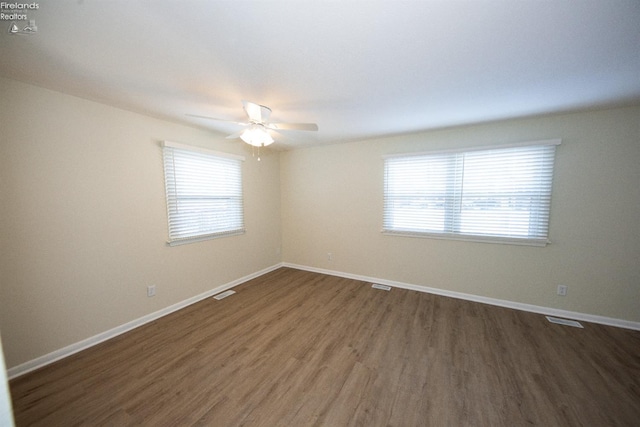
(500, 194)
(204, 193)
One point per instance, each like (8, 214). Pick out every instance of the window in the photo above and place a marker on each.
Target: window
(204, 193)
(500, 194)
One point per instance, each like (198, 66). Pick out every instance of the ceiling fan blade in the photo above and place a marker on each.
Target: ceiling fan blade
(293, 126)
(216, 119)
(235, 135)
(279, 136)
(257, 113)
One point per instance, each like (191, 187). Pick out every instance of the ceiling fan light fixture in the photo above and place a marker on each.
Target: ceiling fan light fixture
(257, 136)
(258, 128)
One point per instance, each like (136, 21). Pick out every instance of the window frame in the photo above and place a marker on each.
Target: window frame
(452, 207)
(230, 191)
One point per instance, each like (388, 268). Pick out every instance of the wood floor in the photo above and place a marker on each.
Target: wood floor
(295, 348)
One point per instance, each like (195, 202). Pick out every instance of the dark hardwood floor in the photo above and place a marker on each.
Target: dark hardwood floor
(295, 348)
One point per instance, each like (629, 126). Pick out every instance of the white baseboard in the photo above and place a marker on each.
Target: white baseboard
(610, 321)
(49, 358)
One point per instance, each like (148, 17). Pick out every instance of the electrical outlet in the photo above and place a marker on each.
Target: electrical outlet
(151, 291)
(329, 256)
(562, 290)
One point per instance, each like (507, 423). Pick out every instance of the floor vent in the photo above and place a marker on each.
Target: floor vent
(383, 287)
(224, 294)
(565, 322)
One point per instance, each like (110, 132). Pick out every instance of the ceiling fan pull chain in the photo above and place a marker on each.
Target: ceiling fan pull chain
(253, 151)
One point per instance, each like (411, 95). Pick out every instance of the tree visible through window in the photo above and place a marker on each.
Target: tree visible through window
(496, 194)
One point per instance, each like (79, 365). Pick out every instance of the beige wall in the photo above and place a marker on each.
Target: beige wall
(84, 225)
(83, 219)
(332, 200)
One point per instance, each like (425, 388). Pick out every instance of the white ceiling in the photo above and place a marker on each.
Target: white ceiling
(359, 69)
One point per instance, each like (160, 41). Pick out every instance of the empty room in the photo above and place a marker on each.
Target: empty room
(320, 213)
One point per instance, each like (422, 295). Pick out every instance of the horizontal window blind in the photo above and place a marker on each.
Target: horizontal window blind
(204, 193)
(495, 194)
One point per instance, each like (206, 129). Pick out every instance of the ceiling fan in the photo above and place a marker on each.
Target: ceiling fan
(258, 129)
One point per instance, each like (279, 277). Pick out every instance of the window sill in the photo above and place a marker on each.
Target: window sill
(195, 239)
(469, 238)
